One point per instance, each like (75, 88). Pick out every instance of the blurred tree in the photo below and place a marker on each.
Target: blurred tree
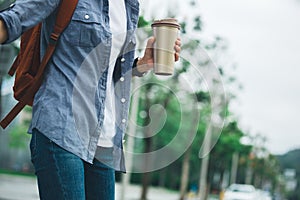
(203, 98)
(222, 153)
(154, 95)
(198, 24)
(18, 135)
(151, 94)
(170, 127)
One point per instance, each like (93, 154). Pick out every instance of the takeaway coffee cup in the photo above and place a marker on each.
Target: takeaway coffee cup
(166, 32)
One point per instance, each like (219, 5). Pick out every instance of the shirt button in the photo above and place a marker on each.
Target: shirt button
(86, 16)
(122, 59)
(122, 79)
(123, 121)
(123, 100)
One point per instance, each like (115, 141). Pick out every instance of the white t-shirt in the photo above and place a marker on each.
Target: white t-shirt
(118, 27)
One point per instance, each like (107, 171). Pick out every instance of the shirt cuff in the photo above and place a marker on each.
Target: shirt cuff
(13, 25)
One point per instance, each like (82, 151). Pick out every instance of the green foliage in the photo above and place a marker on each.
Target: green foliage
(183, 27)
(191, 46)
(227, 145)
(203, 97)
(18, 134)
(291, 160)
(198, 24)
(19, 137)
(142, 22)
(5, 3)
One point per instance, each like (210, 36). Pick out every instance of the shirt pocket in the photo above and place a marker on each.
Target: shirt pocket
(86, 29)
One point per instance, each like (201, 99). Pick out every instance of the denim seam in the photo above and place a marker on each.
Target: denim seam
(33, 147)
(57, 169)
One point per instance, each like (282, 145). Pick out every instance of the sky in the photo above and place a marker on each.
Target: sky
(263, 41)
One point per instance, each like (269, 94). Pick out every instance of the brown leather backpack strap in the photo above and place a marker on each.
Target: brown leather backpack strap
(12, 114)
(65, 13)
(14, 67)
(63, 18)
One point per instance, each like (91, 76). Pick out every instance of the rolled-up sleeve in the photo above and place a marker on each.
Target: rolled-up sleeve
(26, 14)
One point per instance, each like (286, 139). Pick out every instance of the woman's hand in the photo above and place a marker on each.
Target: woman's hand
(146, 63)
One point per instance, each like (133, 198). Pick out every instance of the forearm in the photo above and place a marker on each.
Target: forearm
(23, 15)
(3, 32)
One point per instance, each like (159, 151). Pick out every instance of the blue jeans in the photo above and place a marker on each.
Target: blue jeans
(62, 175)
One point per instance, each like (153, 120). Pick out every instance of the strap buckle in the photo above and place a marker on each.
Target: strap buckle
(53, 38)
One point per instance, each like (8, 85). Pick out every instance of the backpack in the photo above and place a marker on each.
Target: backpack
(28, 67)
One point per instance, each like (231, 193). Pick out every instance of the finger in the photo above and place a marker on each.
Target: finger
(178, 42)
(177, 49)
(150, 42)
(176, 56)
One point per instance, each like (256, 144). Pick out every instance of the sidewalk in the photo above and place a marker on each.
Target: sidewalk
(25, 188)
(14, 187)
(18, 187)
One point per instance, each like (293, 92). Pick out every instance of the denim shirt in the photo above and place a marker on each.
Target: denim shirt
(69, 106)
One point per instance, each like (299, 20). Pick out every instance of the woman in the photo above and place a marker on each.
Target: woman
(80, 111)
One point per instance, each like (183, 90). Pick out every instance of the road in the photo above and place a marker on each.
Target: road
(25, 188)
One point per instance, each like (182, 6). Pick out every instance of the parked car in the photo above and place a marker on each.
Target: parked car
(240, 192)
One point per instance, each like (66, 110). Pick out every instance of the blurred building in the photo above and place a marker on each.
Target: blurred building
(290, 179)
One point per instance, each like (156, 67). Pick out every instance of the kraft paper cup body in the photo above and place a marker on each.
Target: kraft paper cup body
(165, 32)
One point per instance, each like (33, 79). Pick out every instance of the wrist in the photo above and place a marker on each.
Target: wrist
(136, 68)
(139, 62)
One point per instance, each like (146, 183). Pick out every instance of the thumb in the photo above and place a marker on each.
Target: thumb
(149, 48)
